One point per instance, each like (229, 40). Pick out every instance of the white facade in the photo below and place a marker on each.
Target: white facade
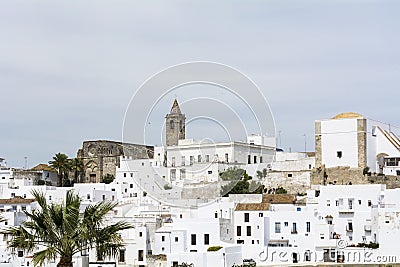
(349, 138)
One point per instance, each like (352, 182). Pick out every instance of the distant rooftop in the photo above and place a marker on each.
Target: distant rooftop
(252, 206)
(17, 200)
(348, 115)
(279, 198)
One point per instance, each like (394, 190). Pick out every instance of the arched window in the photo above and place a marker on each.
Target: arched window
(171, 124)
(180, 126)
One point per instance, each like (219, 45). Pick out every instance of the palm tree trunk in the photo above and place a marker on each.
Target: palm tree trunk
(65, 261)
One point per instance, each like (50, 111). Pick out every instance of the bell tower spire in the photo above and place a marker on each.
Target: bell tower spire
(174, 125)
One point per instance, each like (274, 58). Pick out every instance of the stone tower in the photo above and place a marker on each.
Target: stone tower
(174, 125)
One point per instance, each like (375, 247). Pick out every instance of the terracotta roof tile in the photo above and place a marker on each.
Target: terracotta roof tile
(279, 198)
(252, 206)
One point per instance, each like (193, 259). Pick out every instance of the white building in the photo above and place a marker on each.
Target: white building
(350, 139)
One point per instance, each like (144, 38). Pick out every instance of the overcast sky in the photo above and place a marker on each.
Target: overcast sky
(69, 68)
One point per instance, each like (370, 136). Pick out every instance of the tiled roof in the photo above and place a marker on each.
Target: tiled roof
(43, 167)
(252, 206)
(17, 200)
(279, 198)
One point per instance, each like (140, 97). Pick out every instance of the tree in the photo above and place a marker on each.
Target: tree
(76, 165)
(233, 174)
(262, 174)
(61, 163)
(108, 178)
(242, 187)
(61, 231)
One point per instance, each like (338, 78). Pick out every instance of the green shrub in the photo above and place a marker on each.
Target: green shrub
(167, 187)
(214, 248)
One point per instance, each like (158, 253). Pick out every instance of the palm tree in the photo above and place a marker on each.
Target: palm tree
(61, 163)
(61, 231)
(76, 165)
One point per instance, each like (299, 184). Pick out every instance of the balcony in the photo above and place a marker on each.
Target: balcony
(346, 209)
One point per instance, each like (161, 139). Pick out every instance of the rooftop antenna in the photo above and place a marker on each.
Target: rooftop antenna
(305, 144)
(26, 163)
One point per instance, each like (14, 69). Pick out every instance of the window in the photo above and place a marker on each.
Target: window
(246, 217)
(308, 227)
(171, 124)
(226, 157)
(260, 214)
(191, 160)
(131, 174)
(289, 175)
(20, 253)
(359, 202)
(350, 204)
(199, 158)
(350, 226)
(206, 239)
(131, 185)
(23, 208)
(183, 174)
(294, 228)
(277, 227)
(309, 166)
(209, 172)
(261, 161)
(249, 159)
(286, 224)
(193, 239)
(339, 154)
(124, 174)
(216, 215)
(369, 203)
(173, 175)
(140, 234)
(238, 230)
(183, 161)
(88, 196)
(207, 158)
(121, 255)
(255, 159)
(248, 230)
(173, 162)
(140, 255)
(104, 197)
(162, 238)
(307, 255)
(298, 209)
(176, 239)
(337, 203)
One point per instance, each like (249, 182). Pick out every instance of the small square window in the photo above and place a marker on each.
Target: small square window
(339, 154)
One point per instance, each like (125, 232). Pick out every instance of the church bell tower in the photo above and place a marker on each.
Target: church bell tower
(174, 125)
